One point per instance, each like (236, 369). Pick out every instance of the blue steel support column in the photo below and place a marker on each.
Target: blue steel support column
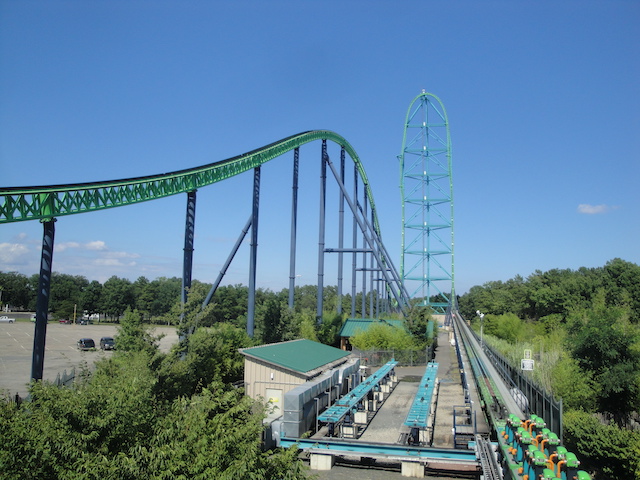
(189, 230)
(251, 310)
(373, 290)
(341, 233)
(364, 259)
(323, 191)
(42, 301)
(294, 227)
(354, 262)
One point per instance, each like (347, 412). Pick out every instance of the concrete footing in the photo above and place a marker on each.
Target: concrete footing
(321, 461)
(413, 469)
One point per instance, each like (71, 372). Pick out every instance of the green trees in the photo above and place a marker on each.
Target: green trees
(117, 296)
(608, 450)
(16, 289)
(133, 336)
(605, 343)
(557, 292)
(383, 337)
(210, 354)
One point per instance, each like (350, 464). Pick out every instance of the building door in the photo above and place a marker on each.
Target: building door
(274, 406)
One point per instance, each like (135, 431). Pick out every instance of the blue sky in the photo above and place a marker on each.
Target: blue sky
(542, 98)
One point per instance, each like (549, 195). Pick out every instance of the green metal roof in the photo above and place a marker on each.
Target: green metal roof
(351, 326)
(299, 355)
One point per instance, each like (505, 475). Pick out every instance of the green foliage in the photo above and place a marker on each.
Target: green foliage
(574, 385)
(16, 289)
(329, 329)
(557, 292)
(272, 323)
(133, 336)
(418, 323)
(61, 432)
(91, 298)
(231, 304)
(117, 296)
(117, 424)
(608, 450)
(506, 327)
(382, 336)
(604, 342)
(66, 292)
(209, 354)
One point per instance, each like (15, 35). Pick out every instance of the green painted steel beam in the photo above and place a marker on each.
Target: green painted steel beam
(18, 204)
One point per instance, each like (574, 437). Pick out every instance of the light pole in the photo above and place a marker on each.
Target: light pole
(481, 315)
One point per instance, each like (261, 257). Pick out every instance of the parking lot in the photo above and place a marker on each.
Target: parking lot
(61, 352)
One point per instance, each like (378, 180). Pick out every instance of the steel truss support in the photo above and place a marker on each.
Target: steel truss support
(321, 230)
(427, 267)
(354, 258)
(294, 227)
(251, 310)
(364, 260)
(189, 233)
(42, 300)
(340, 233)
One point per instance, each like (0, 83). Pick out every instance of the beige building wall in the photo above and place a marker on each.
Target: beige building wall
(260, 376)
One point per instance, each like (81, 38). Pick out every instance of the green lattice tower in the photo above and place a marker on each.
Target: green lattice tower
(426, 186)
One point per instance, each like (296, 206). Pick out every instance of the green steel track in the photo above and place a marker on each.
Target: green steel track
(19, 204)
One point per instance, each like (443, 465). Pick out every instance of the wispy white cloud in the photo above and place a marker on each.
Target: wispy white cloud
(120, 255)
(13, 253)
(96, 245)
(112, 262)
(594, 209)
(62, 246)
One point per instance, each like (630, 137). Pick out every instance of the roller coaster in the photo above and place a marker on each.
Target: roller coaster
(379, 276)
(523, 448)
(523, 445)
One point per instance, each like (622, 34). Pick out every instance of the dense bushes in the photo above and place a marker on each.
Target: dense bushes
(143, 414)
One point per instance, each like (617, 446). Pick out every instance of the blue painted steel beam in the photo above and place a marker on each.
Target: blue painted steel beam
(187, 258)
(294, 227)
(338, 447)
(253, 252)
(418, 415)
(338, 410)
(321, 231)
(42, 300)
(226, 265)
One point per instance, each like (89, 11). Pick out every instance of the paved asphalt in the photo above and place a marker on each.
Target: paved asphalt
(61, 352)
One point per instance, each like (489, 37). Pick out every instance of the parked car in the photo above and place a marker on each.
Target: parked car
(107, 343)
(65, 321)
(86, 344)
(6, 319)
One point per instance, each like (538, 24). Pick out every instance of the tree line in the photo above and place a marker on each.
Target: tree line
(159, 301)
